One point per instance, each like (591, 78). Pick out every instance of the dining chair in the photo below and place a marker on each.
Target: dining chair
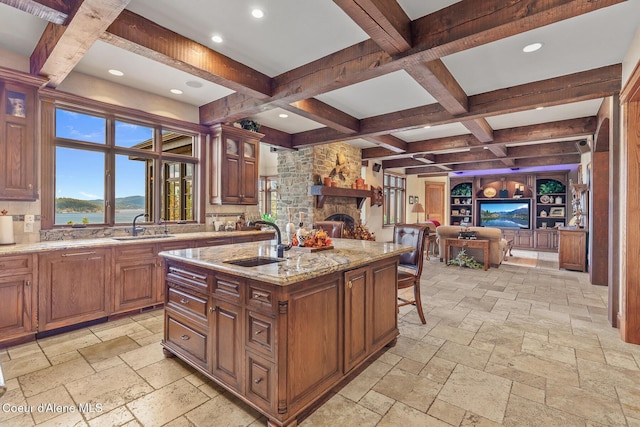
(410, 268)
(332, 228)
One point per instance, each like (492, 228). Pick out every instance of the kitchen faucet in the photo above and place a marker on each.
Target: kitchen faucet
(137, 229)
(280, 248)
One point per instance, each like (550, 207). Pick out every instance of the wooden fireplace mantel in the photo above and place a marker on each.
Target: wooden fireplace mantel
(322, 192)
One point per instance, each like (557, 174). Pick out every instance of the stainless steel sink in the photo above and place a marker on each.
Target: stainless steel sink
(143, 237)
(254, 262)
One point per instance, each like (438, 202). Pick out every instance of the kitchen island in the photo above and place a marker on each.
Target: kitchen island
(281, 334)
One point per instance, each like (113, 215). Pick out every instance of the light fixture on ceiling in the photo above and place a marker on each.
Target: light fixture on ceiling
(283, 115)
(257, 13)
(531, 47)
(427, 127)
(539, 108)
(115, 72)
(194, 84)
(176, 91)
(216, 39)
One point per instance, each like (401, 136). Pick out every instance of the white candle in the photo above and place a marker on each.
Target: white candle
(6, 230)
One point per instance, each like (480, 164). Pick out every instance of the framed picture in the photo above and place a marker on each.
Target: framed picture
(556, 212)
(463, 211)
(455, 212)
(410, 200)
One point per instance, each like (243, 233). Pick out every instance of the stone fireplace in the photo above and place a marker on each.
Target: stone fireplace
(298, 170)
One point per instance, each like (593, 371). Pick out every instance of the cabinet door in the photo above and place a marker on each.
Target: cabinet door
(357, 334)
(546, 240)
(74, 287)
(16, 314)
(228, 345)
(135, 284)
(17, 153)
(249, 171)
(523, 239)
(384, 316)
(232, 179)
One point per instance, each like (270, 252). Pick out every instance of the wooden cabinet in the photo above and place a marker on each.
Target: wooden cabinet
(135, 277)
(572, 249)
(74, 287)
(17, 137)
(522, 239)
(18, 297)
(280, 348)
(551, 202)
(367, 321)
(233, 162)
(546, 240)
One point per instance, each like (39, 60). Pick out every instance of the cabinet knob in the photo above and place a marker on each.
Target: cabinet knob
(258, 381)
(184, 337)
(184, 301)
(258, 332)
(212, 309)
(349, 284)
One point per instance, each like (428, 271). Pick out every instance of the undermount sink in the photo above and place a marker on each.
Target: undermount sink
(254, 262)
(144, 237)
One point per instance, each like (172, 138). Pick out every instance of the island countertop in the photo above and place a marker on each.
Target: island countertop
(297, 265)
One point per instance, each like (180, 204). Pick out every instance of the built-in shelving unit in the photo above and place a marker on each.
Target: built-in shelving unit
(462, 203)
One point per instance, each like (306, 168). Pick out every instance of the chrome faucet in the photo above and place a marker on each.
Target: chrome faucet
(281, 247)
(137, 229)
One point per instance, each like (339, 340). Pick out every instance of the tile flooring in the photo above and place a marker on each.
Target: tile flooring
(514, 346)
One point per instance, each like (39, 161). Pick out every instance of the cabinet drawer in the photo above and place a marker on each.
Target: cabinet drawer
(16, 264)
(260, 297)
(260, 333)
(186, 338)
(136, 252)
(260, 381)
(188, 277)
(214, 242)
(229, 288)
(192, 304)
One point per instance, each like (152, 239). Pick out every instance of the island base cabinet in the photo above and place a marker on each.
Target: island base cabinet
(279, 348)
(74, 287)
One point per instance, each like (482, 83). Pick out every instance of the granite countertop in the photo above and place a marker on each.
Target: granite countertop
(298, 265)
(25, 248)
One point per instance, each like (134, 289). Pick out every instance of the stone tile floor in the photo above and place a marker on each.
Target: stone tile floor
(514, 346)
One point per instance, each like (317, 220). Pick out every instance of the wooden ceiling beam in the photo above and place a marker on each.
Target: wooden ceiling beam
(480, 128)
(275, 137)
(366, 60)
(389, 142)
(321, 112)
(436, 79)
(569, 159)
(146, 38)
(586, 85)
(383, 20)
(54, 11)
(562, 129)
(60, 48)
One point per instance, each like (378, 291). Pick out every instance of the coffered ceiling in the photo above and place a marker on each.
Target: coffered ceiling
(424, 87)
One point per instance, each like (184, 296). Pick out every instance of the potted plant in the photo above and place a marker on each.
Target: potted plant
(249, 124)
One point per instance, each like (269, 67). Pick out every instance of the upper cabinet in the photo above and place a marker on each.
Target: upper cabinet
(17, 136)
(233, 165)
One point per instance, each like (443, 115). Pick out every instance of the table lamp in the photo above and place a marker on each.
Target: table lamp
(417, 209)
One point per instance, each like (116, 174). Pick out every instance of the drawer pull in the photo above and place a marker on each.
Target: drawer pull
(188, 274)
(258, 381)
(258, 332)
(80, 254)
(184, 337)
(184, 301)
(212, 309)
(349, 284)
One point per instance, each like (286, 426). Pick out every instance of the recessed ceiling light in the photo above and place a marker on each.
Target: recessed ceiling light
(539, 108)
(531, 47)
(283, 115)
(116, 72)
(257, 13)
(194, 84)
(427, 127)
(176, 91)
(216, 39)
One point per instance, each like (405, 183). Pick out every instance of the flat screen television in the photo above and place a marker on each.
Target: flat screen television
(515, 213)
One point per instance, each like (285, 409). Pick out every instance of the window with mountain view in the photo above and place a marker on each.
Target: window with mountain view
(107, 170)
(394, 194)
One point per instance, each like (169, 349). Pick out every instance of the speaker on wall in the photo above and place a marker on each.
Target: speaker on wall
(377, 167)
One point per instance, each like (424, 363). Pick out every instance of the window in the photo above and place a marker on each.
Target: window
(268, 189)
(106, 167)
(394, 196)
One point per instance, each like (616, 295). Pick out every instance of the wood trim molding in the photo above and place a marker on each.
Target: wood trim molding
(631, 90)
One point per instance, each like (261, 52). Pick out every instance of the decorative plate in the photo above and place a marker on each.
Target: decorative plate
(489, 192)
(545, 199)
